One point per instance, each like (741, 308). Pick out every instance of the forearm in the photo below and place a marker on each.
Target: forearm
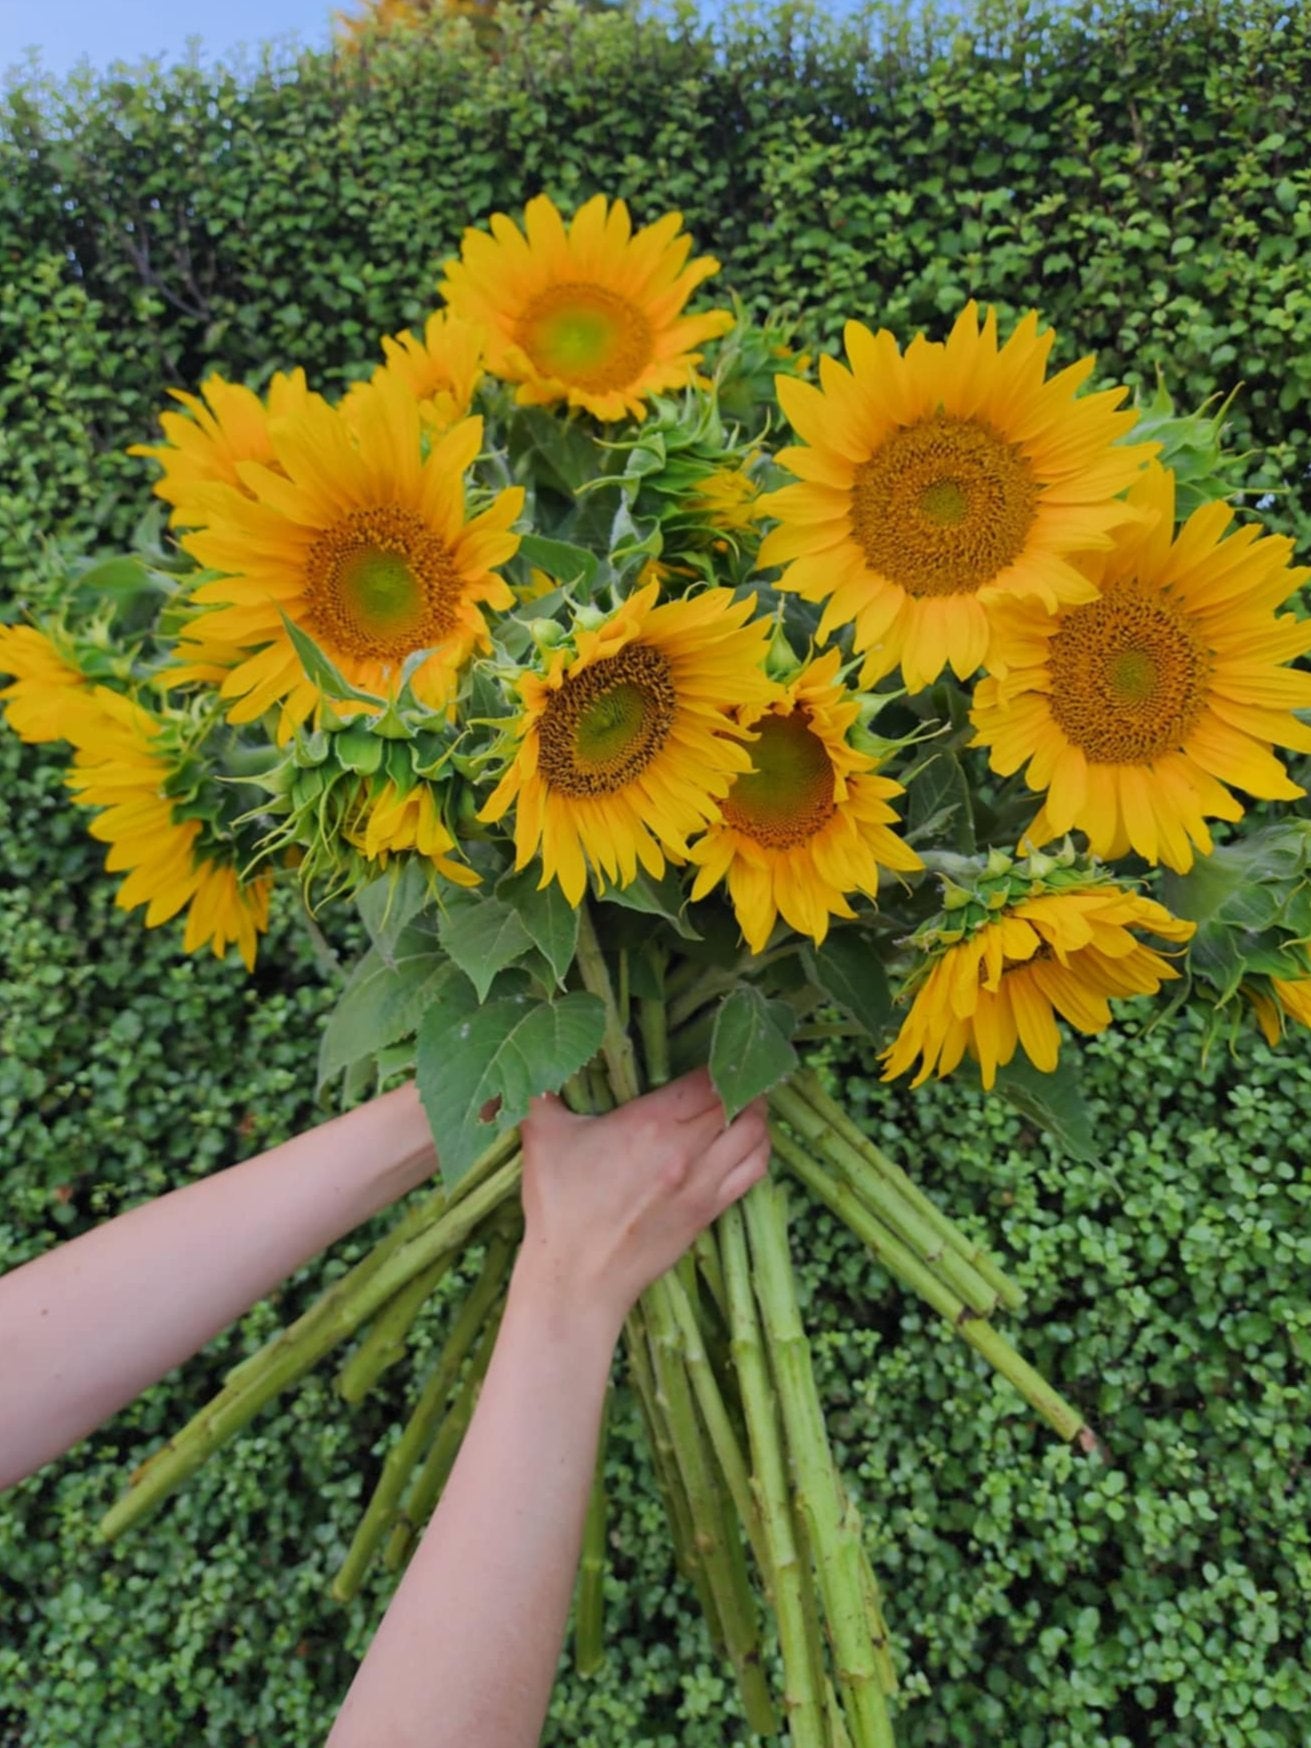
(88, 1326)
(468, 1649)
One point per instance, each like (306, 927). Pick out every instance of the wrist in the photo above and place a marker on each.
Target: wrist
(547, 1288)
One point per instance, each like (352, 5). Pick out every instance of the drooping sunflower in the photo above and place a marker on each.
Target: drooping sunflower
(1135, 710)
(224, 425)
(440, 369)
(123, 768)
(936, 483)
(728, 498)
(1276, 999)
(362, 541)
(625, 746)
(396, 821)
(1062, 953)
(49, 696)
(591, 314)
(809, 823)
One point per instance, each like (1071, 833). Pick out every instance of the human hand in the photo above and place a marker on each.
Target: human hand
(611, 1202)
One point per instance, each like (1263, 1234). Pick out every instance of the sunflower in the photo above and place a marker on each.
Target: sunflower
(49, 696)
(728, 498)
(124, 768)
(363, 542)
(937, 483)
(591, 315)
(625, 745)
(397, 821)
(224, 425)
(809, 823)
(441, 369)
(1066, 951)
(1282, 998)
(1135, 710)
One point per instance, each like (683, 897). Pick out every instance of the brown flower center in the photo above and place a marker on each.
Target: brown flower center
(587, 336)
(380, 584)
(943, 506)
(788, 797)
(1128, 677)
(607, 723)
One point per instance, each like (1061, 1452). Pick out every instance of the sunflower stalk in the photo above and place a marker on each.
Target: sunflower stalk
(899, 1261)
(426, 1487)
(300, 1347)
(423, 1422)
(836, 1550)
(387, 1336)
(790, 1578)
(807, 1084)
(589, 1617)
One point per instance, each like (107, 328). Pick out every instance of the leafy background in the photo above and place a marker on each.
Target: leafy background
(1143, 174)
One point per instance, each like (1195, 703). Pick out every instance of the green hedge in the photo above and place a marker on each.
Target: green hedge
(1148, 187)
(1142, 173)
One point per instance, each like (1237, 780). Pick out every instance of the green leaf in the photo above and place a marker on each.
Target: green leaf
(384, 1000)
(477, 1073)
(565, 563)
(663, 898)
(123, 579)
(938, 805)
(848, 970)
(388, 904)
(547, 915)
(1053, 1101)
(751, 1048)
(482, 935)
(320, 669)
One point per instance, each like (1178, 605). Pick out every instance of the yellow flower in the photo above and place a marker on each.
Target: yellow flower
(363, 542)
(441, 369)
(728, 498)
(625, 745)
(48, 699)
(355, 29)
(809, 823)
(122, 768)
(591, 315)
(1135, 710)
(1285, 998)
(937, 483)
(227, 424)
(396, 822)
(1066, 951)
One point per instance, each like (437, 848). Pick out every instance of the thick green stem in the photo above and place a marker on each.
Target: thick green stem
(616, 1046)
(385, 1341)
(425, 1490)
(790, 1578)
(301, 1346)
(1007, 1290)
(863, 1184)
(655, 1040)
(419, 1429)
(589, 1616)
(837, 1553)
(899, 1261)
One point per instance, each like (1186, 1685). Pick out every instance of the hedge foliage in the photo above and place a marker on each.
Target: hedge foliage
(1142, 174)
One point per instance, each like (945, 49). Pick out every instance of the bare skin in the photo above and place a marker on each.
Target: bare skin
(468, 1649)
(90, 1325)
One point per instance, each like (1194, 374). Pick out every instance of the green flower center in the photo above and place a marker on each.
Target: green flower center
(586, 336)
(606, 724)
(380, 584)
(788, 797)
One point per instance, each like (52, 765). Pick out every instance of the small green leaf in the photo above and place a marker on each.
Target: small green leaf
(384, 1000)
(478, 1071)
(1053, 1101)
(320, 669)
(938, 805)
(663, 898)
(564, 563)
(751, 1048)
(547, 915)
(482, 935)
(848, 970)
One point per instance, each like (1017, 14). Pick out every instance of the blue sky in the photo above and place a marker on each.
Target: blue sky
(108, 30)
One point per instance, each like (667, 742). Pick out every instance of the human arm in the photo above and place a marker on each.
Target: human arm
(468, 1648)
(88, 1326)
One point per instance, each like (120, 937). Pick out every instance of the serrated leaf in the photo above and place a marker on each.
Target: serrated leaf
(387, 905)
(566, 563)
(383, 1000)
(320, 669)
(750, 1049)
(547, 915)
(938, 805)
(477, 1073)
(482, 935)
(1053, 1101)
(663, 898)
(850, 973)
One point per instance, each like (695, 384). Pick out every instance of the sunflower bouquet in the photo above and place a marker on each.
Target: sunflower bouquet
(641, 740)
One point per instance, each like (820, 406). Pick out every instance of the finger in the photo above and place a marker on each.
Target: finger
(746, 1133)
(744, 1174)
(687, 1098)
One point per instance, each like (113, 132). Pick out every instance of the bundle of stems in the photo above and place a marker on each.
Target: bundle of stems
(720, 1366)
